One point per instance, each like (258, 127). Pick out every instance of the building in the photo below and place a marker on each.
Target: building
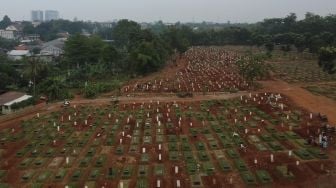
(31, 37)
(51, 15)
(10, 35)
(37, 16)
(18, 54)
(10, 98)
(53, 48)
(12, 32)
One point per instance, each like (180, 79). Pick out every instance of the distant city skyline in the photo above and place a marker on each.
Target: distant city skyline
(242, 11)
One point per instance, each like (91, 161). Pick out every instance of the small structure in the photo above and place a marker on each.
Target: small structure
(18, 54)
(10, 98)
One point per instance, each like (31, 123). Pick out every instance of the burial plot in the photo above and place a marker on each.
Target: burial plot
(264, 177)
(248, 178)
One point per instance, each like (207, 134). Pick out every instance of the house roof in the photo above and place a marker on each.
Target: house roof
(18, 52)
(11, 28)
(23, 98)
(21, 47)
(59, 43)
(10, 96)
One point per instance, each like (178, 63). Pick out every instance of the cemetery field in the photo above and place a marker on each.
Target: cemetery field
(301, 72)
(258, 139)
(200, 69)
(324, 89)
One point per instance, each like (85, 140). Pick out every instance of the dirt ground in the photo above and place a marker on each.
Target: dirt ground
(303, 98)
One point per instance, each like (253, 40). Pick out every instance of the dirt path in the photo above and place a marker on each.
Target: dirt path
(303, 98)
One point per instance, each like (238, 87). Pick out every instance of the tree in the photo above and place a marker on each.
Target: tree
(55, 88)
(28, 28)
(35, 71)
(177, 38)
(76, 50)
(36, 50)
(6, 21)
(9, 76)
(299, 42)
(327, 59)
(111, 58)
(145, 58)
(252, 68)
(258, 40)
(7, 44)
(122, 32)
(94, 45)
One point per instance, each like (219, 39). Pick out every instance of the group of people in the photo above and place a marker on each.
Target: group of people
(321, 140)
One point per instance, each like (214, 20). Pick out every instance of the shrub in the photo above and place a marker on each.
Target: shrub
(22, 104)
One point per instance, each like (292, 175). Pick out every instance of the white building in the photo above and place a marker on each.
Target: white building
(51, 15)
(10, 35)
(10, 98)
(18, 54)
(37, 15)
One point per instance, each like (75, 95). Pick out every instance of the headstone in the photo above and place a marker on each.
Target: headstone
(178, 183)
(158, 183)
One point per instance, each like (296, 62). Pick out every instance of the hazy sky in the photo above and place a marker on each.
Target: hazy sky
(168, 10)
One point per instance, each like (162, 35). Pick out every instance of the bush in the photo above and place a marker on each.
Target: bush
(22, 104)
(92, 90)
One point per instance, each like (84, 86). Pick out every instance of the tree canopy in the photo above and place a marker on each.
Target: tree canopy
(6, 21)
(327, 59)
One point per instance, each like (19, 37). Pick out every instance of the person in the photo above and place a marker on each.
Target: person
(325, 141)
